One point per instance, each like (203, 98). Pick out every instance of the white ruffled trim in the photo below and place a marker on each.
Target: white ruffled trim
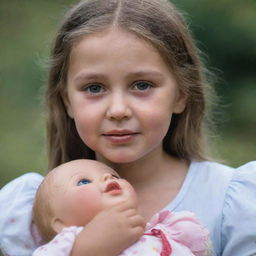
(16, 200)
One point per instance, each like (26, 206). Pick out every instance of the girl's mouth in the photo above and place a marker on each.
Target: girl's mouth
(120, 136)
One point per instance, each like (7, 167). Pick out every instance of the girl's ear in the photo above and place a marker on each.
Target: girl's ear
(57, 225)
(180, 103)
(66, 101)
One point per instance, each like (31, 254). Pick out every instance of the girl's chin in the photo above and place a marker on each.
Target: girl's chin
(122, 159)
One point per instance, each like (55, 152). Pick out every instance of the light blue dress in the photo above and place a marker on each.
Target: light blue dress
(223, 198)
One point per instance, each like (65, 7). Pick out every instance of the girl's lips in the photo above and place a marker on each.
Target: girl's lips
(119, 133)
(120, 136)
(113, 188)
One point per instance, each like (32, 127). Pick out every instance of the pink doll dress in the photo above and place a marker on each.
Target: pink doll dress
(167, 234)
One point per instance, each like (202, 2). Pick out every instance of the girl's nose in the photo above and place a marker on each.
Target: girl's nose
(118, 108)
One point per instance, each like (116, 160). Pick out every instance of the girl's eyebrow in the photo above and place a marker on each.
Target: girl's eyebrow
(94, 76)
(88, 76)
(147, 75)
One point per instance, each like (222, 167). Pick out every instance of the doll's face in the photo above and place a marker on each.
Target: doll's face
(82, 188)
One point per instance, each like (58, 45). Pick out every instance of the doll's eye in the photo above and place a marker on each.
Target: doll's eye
(115, 176)
(83, 182)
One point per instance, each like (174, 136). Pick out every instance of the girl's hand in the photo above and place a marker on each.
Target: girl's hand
(110, 232)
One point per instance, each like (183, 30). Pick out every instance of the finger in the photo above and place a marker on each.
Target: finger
(137, 232)
(124, 205)
(137, 221)
(130, 212)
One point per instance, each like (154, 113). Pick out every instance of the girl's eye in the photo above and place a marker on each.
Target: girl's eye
(142, 85)
(94, 88)
(83, 182)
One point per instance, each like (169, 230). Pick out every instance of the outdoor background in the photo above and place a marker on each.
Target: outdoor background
(225, 31)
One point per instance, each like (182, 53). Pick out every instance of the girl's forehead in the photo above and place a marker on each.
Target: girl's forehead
(90, 57)
(115, 37)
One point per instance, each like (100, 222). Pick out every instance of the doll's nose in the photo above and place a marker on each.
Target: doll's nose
(106, 176)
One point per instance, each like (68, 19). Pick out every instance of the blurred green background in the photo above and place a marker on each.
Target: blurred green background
(225, 31)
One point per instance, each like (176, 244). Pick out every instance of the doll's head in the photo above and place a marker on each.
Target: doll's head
(159, 23)
(73, 193)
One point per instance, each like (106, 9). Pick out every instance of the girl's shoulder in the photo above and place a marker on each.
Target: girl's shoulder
(210, 185)
(239, 213)
(230, 196)
(222, 175)
(224, 186)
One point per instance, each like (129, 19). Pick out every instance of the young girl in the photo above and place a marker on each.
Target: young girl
(126, 87)
(74, 192)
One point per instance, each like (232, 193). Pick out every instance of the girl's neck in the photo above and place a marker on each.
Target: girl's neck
(156, 178)
(152, 168)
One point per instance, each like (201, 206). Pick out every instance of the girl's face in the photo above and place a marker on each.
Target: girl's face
(82, 188)
(121, 95)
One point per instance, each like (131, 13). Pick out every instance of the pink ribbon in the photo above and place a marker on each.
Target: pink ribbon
(167, 249)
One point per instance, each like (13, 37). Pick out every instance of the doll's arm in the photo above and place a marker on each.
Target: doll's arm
(110, 232)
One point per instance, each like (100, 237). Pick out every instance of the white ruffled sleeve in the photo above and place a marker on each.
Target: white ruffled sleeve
(239, 213)
(16, 200)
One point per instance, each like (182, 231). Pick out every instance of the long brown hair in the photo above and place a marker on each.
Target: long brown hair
(161, 24)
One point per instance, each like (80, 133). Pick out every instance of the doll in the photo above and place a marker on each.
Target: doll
(75, 192)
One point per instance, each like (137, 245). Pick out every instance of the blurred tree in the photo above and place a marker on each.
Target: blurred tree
(225, 32)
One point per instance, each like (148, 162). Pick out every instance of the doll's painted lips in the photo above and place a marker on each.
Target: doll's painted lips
(113, 188)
